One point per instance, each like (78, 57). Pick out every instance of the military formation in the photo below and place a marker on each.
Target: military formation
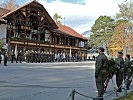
(32, 56)
(41, 57)
(37, 57)
(122, 67)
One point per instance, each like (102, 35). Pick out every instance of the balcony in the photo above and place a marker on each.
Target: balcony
(32, 42)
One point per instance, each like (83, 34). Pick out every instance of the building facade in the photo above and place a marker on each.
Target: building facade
(31, 29)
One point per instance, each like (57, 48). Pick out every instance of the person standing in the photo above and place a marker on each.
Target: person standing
(120, 71)
(128, 70)
(20, 57)
(100, 72)
(5, 59)
(12, 56)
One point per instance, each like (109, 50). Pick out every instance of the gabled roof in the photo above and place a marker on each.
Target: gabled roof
(69, 31)
(2, 12)
(32, 3)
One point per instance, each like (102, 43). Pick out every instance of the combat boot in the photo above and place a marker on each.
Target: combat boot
(119, 90)
(127, 87)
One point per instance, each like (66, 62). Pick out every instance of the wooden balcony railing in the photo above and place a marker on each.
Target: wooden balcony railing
(29, 42)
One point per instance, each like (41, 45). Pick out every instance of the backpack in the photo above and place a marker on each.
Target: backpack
(111, 66)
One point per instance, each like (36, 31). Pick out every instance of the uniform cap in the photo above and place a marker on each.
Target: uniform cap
(101, 48)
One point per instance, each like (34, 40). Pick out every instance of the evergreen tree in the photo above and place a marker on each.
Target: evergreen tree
(126, 11)
(102, 30)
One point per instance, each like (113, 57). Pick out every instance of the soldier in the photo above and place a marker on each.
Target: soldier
(100, 72)
(27, 56)
(35, 57)
(120, 71)
(128, 69)
(5, 59)
(20, 56)
(12, 56)
(38, 56)
(31, 56)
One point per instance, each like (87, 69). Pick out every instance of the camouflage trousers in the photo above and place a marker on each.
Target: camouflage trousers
(100, 82)
(129, 75)
(119, 77)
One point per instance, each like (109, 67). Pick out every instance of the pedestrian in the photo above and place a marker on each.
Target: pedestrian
(120, 71)
(100, 72)
(5, 59)
(127, 70)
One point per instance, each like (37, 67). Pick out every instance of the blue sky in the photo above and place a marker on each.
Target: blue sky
(79, 14)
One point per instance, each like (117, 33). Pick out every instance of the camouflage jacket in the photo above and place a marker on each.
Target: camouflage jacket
(119, 63)
(101, 63)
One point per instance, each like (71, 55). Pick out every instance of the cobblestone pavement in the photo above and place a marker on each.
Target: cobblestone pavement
(49, 81)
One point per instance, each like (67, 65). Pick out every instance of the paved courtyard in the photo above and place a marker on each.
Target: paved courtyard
(49, 81)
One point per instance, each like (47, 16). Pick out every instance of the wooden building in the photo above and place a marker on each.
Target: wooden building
(30, 27)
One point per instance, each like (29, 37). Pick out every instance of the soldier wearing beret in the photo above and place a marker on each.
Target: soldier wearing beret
(100, 72)
(120, 71)
(128, 70)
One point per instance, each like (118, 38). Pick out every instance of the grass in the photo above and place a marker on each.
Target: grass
(129, 97)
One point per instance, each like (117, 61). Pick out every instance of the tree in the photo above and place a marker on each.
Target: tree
(10, 4)
(57, 18)
(116, 41)
(102, 30)
(120, 40)
(126, 11)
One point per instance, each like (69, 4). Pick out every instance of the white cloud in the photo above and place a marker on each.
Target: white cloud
(81, 17)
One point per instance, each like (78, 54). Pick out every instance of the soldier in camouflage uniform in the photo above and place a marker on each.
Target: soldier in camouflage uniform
(128, 69)
(12, 56)
(120, 71)
(27, 55)
(31, 56)
(20, 57)
(100, 72)
(38, 56)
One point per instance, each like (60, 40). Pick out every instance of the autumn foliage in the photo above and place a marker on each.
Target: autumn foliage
(118, 40)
